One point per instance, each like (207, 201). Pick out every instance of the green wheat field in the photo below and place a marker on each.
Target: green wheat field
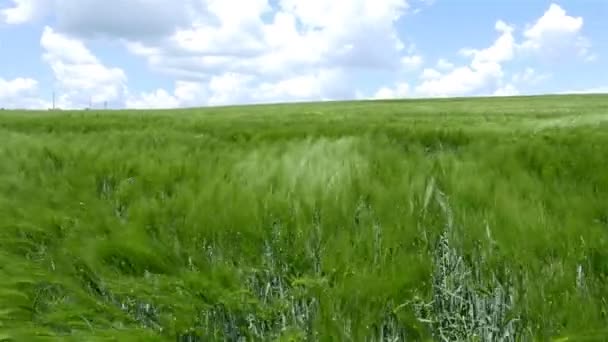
(478, 219)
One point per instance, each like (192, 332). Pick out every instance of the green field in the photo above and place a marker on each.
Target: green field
(480, 219)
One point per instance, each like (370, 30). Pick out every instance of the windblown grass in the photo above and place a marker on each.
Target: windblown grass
(460, 219)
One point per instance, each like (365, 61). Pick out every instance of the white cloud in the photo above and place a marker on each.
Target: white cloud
(190, 93)
(213, 41)
(529, 76)
(21, 93)
(324, 84)
(23, 11)
(238, 32)
(337, 14)
(594, 90)
(553, 24)
(430, 74)
(79, 74)
(310, 34)
(299, 43)
(412, 62)
(16, 87)
(157, 99)
(483, 73)
(552, 36)
(444, 64)
(235, 88)
(278, 49)
(235, 51)
(462, 81)
(556, 34)
(229, 88)
(501, 51)
(400, 90)
(137, 19)
(351, 33)
(506, 90)
(185, 94)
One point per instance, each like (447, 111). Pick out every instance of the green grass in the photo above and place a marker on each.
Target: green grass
(474, 219)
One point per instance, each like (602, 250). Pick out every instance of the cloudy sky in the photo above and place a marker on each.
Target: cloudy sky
(181, 53)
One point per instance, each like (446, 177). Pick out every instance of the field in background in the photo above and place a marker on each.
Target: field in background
(456, 219)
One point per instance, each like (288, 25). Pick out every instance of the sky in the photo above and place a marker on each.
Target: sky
(190, 53)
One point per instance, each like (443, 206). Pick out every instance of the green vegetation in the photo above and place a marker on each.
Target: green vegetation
(457, 219)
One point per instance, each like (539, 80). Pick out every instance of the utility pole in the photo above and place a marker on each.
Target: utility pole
(53, 100)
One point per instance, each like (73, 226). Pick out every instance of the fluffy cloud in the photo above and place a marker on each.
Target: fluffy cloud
(23, 11)
(412, 62)
(299, 34)
(280, 58)
(229, 88)
(501, 51)
(461, 81)
(185, 94)
(506, 90)
(133, 19)
(20, 93)
(265, 51)
(556, 34)
(430, 74)
(279, 50)
(444, 64)
(81, 77)
(484, 72)
(16, 87)
(358, 33)
(529, 76)
(235, 88)
(324, 84)
(400, 90)
(290, 50)
(154, 100)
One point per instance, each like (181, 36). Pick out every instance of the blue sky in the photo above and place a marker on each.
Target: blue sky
(181, 53)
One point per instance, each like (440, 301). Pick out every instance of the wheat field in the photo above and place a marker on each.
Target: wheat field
(478, 219)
